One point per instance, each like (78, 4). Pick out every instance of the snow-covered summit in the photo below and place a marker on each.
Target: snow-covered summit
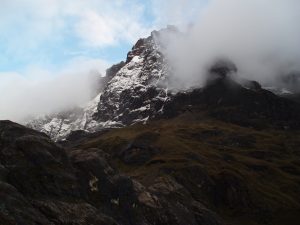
(138, 91)
(133, 91)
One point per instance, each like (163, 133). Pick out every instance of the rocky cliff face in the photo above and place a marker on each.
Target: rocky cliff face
(132, 91)
(137, 92)
(246, 105)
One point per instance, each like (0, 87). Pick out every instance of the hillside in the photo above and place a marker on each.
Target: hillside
(141, 153)
(191, 169)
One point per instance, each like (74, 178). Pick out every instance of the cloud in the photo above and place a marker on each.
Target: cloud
(115, 25)
(40, 91)
(27, 25)
(42, 44)
(176, 12)
(261, 37)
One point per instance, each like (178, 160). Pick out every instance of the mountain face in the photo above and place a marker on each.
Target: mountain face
(136, 91)
(133, 91)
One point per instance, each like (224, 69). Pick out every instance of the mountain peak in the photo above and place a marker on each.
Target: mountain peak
(136, 91)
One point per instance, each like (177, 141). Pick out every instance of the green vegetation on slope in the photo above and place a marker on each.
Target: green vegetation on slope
(247, 176)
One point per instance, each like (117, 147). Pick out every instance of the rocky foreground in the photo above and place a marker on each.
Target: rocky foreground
(224, 154)
(43, 183)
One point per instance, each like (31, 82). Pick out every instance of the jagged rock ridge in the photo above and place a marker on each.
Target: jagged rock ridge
(137, 92)
(133, 91)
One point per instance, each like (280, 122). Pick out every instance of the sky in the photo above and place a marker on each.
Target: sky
(50, 49)
(48, 34)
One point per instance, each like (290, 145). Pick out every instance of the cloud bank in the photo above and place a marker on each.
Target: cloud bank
(41, 92)
(262, 37)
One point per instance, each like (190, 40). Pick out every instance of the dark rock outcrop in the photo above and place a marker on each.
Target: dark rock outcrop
(43, 183)
(227, 100)
(222, 68)
(39, 185)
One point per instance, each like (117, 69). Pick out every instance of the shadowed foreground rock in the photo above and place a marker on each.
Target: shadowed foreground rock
(42, 183)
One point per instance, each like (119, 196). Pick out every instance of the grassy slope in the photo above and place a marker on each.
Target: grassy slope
(263, 166)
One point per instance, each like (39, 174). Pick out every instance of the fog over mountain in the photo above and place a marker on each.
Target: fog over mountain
(261, 37)
(42, 92)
